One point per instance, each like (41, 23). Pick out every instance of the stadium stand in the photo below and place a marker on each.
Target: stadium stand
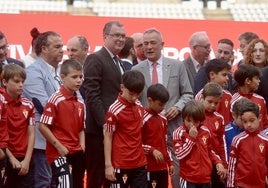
(173, 9)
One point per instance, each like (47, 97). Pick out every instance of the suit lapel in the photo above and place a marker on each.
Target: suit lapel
(166, 68)
(191, 66)
(146, 72)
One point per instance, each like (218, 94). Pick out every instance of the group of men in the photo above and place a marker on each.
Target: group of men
(102, 77)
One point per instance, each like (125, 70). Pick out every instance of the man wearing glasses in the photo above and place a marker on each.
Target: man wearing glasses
(102, 78)
(4, 60)
(199, 44)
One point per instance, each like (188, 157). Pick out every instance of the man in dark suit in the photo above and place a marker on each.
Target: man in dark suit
(199, 44)
(4, 60)
(102, 78)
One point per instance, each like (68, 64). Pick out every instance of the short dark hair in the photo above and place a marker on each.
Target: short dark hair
(70, 63)
(250, 107)
(129, 43)
(194, 109)
(108, 26)
(133, 80)
(236, 107)
(11, 70)
(158, 92)
(212, 89)
(226, 41)
(42, 40)
(248, 36)
(245, 71)
(216, 65)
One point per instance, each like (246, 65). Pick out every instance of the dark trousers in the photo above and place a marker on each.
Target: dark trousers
(186, 184)
(158, 179)
(215, 179)
(68, 171)
(15, 181)
(95, 161)
(134, 178)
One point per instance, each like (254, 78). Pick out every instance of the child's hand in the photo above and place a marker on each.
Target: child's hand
(24, 168)
(171, 170)
(62, 150)
(15, 163)
(221, 171)
(109, 173)
(158, 156)
(193, 132)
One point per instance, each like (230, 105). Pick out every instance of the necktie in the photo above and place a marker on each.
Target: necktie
(117, 63)
(154, 73)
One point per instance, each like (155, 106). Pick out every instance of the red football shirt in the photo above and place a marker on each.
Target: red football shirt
(20, 115)
(125, 120)
(65, 115)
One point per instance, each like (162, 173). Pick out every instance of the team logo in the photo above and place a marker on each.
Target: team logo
(25, 113)
(261, 146)
(139, 111)
(217, 125)
(226, 103)
(259, 106)
(48, 109)
(79, 111)
(204, 138)
(124, 178)
(154, 184)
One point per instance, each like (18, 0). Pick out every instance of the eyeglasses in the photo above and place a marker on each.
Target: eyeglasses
(117, 35)
(207, 47)
(4, 47)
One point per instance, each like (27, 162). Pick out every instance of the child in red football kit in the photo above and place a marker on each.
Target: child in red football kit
(248, 79)
(125, 161)
(192, 144)
(62, 124)
(3, 131)
(20, 123)
(248, 161)
(218, 72)
(154, 137)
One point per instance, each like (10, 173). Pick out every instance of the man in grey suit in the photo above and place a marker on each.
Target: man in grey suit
(41, 82)
(199, 44)
(172, 74)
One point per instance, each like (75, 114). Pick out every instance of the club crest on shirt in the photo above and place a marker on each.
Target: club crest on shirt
(217, 125)
(25, 113)
(261, 147)
(124, 178)
(154, 184)
(226, 102)
(139, 111)
(259, 106)
(79, 111)
(204, 138)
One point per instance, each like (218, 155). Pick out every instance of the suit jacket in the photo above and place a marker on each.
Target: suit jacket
(176, 81)
(189, 65)
(102, 84)
(39, 85)
(11, 60)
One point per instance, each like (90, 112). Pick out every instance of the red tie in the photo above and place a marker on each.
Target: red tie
(154, 74)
